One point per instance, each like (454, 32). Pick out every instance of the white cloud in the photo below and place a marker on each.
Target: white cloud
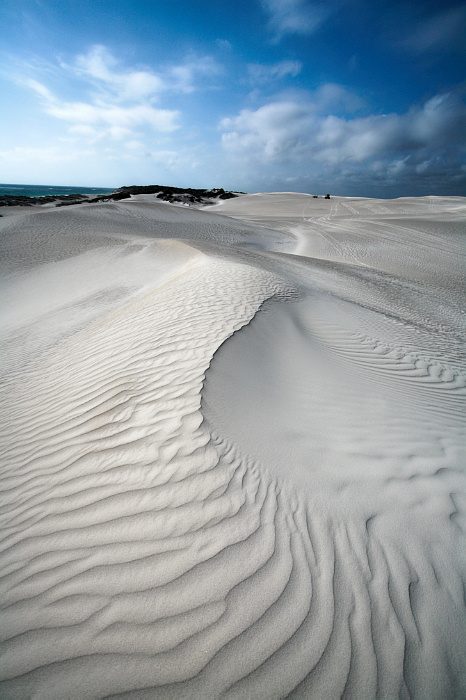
(101, 66)
(40, 89)
(290, 128)
(117, 120)
(169, 159)
(108, 74)
(85, 130)
(292, 137)
(296, 16)
(135, 146)
(272, 132)
(333, 97)
(123, 104)
(260, 73)
(116, 117)
(185, 76)
(119, 100)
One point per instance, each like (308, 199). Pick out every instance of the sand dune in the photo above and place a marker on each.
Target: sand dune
(233, 449)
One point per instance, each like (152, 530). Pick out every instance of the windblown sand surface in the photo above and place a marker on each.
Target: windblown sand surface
(233, 449)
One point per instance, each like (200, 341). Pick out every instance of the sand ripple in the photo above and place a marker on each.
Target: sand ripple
(151, 549)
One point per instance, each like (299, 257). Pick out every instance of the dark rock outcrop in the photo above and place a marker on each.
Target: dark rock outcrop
(186, 195)
(167, 194)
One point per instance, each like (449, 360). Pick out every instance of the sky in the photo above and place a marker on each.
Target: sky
(350, 97)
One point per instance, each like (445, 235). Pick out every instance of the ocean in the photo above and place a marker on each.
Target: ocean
(49, 190)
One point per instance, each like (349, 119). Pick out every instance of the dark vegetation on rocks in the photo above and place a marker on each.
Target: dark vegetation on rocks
(167, 194)
(8, 200)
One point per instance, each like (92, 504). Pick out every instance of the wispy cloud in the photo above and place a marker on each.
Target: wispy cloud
(163, 120)
(40, 89)
(186, 77)
(20, 155)
(224, 44)
(444, 31)
(101, 67)
(118, 99)
(261, 74)
(296, 16)
(107, 73)
(98, 118)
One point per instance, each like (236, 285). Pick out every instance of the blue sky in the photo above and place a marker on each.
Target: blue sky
(352, 97)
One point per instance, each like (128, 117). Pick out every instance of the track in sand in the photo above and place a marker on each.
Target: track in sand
(232, 450)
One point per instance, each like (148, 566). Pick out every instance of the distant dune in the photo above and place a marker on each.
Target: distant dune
(233, 451)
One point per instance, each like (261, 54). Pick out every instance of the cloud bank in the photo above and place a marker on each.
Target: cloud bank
(302, 140)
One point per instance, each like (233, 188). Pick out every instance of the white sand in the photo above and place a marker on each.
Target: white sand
(233, 449)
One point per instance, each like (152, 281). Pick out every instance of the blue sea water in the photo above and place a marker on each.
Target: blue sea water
(49, 190)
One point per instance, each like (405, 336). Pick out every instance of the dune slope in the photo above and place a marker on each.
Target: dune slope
(232, 450)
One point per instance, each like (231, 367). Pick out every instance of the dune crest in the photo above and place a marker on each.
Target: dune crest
(232, 455)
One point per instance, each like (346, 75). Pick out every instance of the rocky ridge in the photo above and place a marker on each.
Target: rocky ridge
(168, 194)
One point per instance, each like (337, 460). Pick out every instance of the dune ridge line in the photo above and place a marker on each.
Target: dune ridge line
(232, 449)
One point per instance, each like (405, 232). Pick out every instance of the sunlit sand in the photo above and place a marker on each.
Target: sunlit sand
(232, 449)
